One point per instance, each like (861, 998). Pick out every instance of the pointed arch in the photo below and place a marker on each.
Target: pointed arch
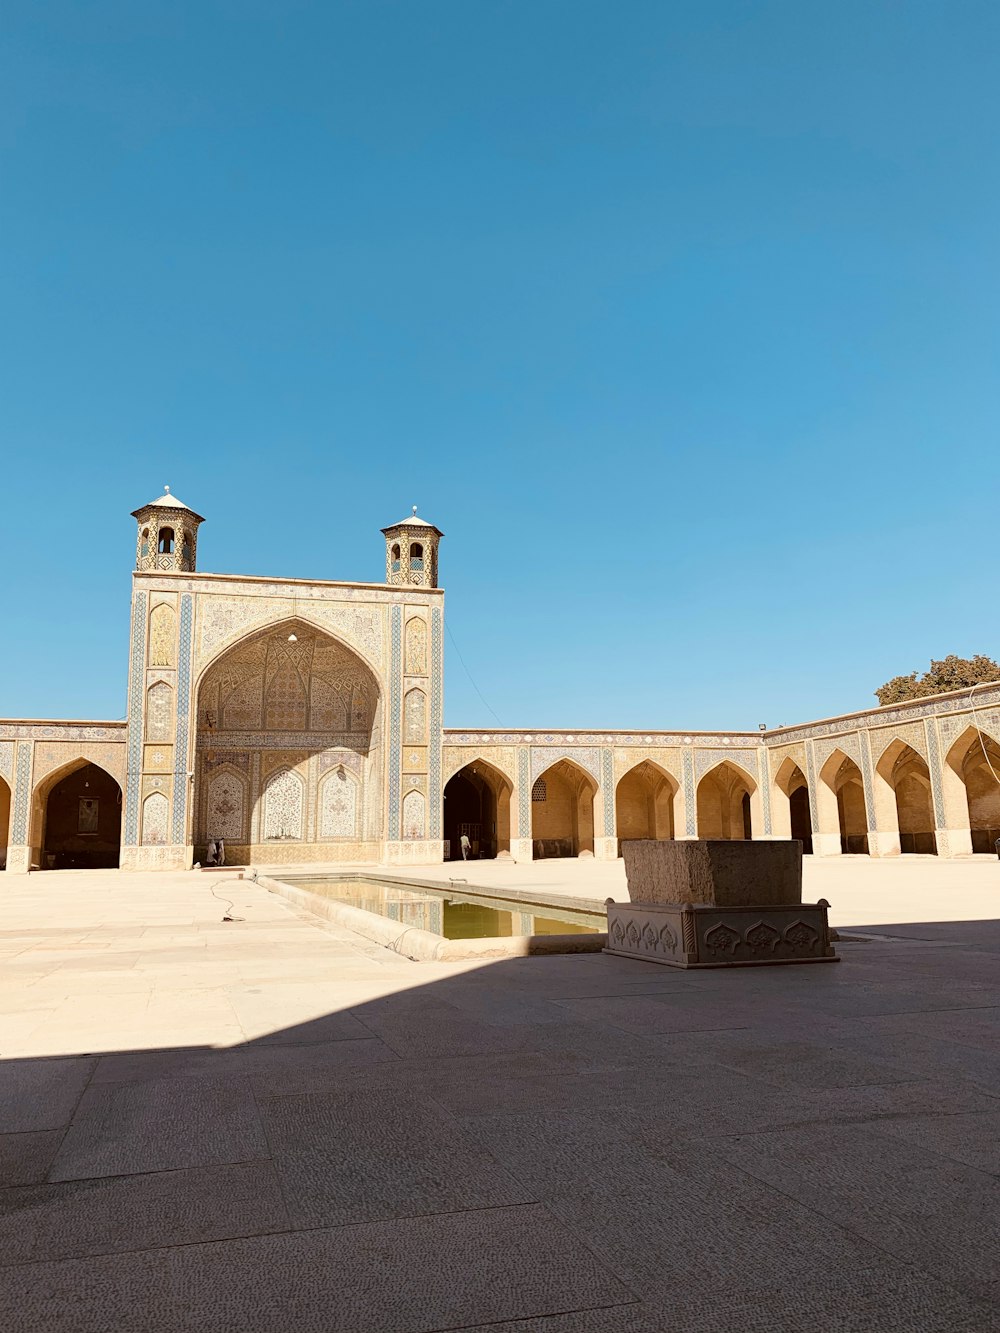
(562, 811)
(790, 808)
(644, 802)
(155, 820)
(162, 630)
(284, 807)
(227, 804)
(292, 697)
(841, 806)
(5, 805)
(415, 641)
(76, 818)
(415, 716)
(414, 815)
(728, 802)
(904, 805)
(971, 790)
(159, 712)
(339, 805)
(477, 805)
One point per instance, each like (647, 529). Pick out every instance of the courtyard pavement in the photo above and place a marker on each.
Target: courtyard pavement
(272, 1124)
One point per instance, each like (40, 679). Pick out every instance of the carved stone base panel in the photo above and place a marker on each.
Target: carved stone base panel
(166, 857)
(687, 935)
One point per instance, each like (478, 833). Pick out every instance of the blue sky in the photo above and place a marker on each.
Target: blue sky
(680, 319)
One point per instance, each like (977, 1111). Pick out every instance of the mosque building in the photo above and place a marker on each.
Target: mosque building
(301, 721)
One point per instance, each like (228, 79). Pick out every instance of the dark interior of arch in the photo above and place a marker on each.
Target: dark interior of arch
(83, 822)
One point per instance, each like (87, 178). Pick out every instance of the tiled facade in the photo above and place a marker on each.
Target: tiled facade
(303, 722)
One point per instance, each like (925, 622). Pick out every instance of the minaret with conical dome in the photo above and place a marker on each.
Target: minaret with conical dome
(411, 552)
(168, 535)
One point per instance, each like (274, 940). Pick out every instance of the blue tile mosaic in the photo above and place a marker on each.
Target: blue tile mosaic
(437, 708)
(136, 692)
(178, 829)
(395, 711)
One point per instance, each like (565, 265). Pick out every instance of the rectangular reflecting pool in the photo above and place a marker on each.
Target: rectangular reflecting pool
(453, 913)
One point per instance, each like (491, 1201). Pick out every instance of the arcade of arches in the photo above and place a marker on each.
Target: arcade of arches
(287, 749)
(562, 811)
(477, 803)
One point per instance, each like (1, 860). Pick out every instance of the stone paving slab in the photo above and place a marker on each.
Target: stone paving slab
(915, 1204)
(361, 1156)
(25, 1158)
(41, 1094)
(160, 1125)
(414, 1275)
(121, 1213)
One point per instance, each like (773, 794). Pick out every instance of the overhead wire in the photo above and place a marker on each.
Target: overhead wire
(469, 674)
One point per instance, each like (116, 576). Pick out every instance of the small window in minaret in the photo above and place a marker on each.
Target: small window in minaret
(395, 558)
(144, 551)
(416, 556)
(166, 546)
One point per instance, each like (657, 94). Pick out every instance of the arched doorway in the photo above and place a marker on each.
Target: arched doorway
(644, 803)
(477, 803)
(78, 810)
(562, 811)
(841, 798)
(4, 822)
(791, 781)
(907, 775)
(287, 753)
(725, 808)
(975, 760)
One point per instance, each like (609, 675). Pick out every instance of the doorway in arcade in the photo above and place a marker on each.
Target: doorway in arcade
(477, 804)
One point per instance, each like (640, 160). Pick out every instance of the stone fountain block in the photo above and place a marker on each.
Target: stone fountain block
(717, 904)
(723, 874)
(692, 935)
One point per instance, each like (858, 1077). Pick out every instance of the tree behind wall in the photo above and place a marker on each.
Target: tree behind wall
(951, 673)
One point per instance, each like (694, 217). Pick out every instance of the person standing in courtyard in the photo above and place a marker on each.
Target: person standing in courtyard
(465, 845)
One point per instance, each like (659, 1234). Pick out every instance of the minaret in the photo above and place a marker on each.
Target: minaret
(411, 552)
(168, 535)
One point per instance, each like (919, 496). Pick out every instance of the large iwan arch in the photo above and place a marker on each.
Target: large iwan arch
(288, 752)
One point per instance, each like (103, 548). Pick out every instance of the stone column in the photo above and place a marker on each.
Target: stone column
(18, 847)
(606, 843)
(520, 807)
(686, 801)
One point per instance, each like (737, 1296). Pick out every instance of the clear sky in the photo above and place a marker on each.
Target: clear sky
(680, 319)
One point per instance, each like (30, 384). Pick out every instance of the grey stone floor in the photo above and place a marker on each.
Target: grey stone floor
(272, 1125)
